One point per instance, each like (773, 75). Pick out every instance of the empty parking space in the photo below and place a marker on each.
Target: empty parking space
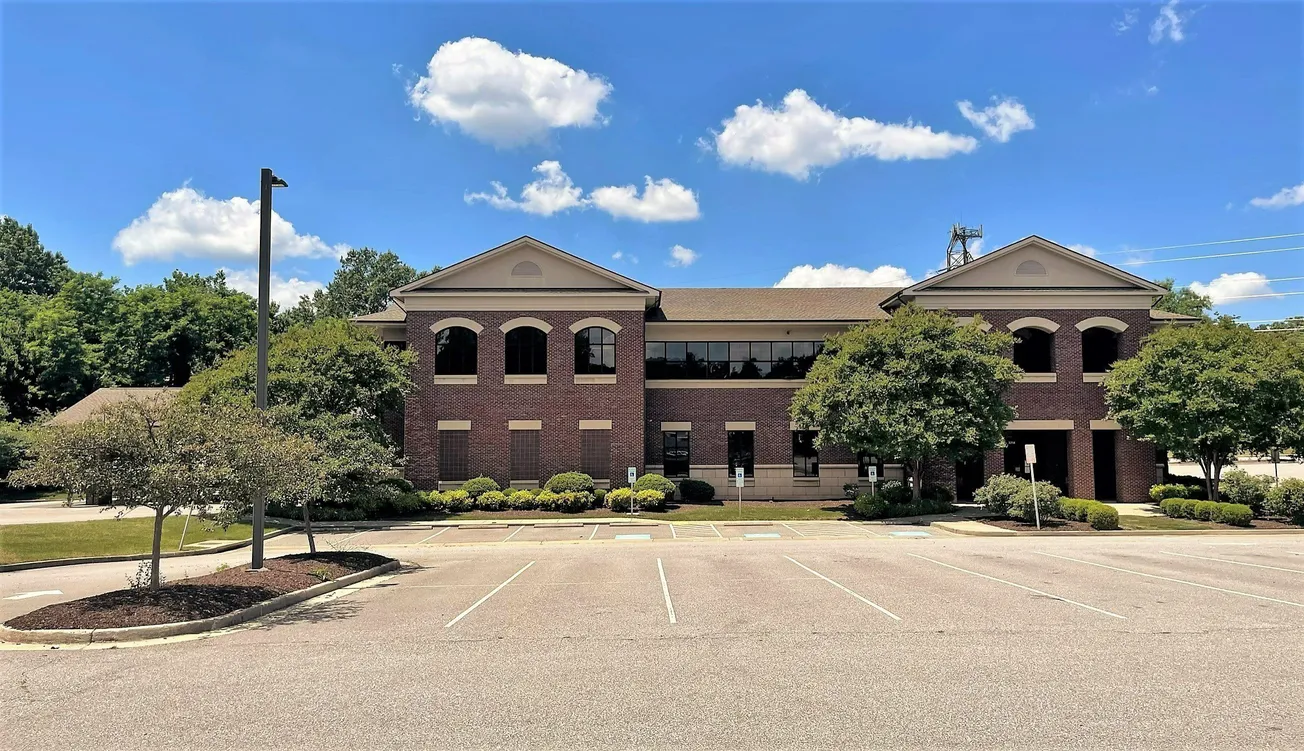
(632, 532)
(554, 533)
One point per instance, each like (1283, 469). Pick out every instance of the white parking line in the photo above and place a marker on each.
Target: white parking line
(1020, 586)
(665, 590)
(799, 532)
(350, 537)
(844, 589)
(863, 528)
(673, 534)
(482, 600)
(716, 531)
(595, 530)
(518, 530)
(1235, 563)
(440, 532)
(1170, 579)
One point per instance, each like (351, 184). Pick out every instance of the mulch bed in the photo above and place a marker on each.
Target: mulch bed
(1052, 525)
(207, 596)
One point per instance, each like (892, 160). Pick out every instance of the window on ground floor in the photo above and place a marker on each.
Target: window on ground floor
(805, 457)
(525, 455)
(595, 453)
(454, 455)
(865, 460)
(742, 452)
(675, 452)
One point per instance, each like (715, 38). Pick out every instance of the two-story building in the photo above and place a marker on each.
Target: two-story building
(532, 361)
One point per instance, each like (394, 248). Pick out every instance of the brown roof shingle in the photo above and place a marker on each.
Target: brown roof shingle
(772, 304)
(101, 398)
(392, 314)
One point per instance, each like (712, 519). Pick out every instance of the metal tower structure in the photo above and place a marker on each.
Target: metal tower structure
(957, 252)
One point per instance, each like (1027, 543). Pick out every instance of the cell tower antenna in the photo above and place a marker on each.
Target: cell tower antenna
(957, 252)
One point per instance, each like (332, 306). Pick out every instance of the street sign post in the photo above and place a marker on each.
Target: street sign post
(739, 479)
(1030, 456)
(632, 473)
(873, 477)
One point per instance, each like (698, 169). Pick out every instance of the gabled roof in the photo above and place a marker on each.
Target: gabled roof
(771, 304)
(394, 313)
(101, 398)
(1168, 317)
(424, 284)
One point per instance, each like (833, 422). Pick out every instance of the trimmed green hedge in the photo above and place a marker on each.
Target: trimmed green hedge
(653, 481)
(696, 491)
(1236, 514)
(570, 482)
(1287, 499)
(1098, 515)
(1158, 493)
(477, 485)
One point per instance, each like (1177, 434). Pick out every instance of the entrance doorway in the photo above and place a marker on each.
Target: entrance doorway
(1052, 455)
(969, 476)
(1103, 465)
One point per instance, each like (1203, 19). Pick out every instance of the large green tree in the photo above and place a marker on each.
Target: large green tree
(1183, 300)
(361, 285)
(13, 444)
(1209, 391)
(914, 387)
(25, 265)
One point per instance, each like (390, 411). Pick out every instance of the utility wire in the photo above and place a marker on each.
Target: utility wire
(1251, 297)
(1211, 255)
(1198, 245)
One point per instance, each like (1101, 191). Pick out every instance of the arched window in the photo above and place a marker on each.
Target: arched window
(1099, 349)
(1034, 350)
(455, 351)
(527, 352)
(595, 351)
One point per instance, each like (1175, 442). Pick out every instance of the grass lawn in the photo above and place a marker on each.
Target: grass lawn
(38, 542)
(22, 495)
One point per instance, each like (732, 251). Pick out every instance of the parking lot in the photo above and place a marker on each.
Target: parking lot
(866, 641)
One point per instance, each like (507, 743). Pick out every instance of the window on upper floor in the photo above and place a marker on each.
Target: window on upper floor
(746, 360)
(1034, 350)
(455, 351)
(595, 351)
(526, 352)
(1099, 349)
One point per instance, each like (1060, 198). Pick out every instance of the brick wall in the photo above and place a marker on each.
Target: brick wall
(489, 404)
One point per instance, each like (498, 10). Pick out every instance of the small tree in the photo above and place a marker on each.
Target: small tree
(303, 476)
(914, 387)
(1208, 391)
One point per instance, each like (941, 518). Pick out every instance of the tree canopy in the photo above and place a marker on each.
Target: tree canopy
(26, 266)
(914, 387)
(1183, 300)
(361, 285)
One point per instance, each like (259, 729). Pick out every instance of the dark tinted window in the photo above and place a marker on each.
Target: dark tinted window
(805, 457)
(455, 351)
(527, 352)
(742, 452)
(1099, 350)
(729, 359)
(675, 452)
(595, 351)
(1034, 351)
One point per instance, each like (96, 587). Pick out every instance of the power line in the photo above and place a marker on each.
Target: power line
(1211, 255)
(1198, 245)
(1251, 297)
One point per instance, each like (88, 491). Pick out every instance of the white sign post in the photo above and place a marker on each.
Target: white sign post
(633, 476)
(1030, 456)
(738, 483)
(873, 477)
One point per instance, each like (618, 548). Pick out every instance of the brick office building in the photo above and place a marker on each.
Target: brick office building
(532, 361)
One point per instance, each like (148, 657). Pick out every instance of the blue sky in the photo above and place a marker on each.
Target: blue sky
(1108, 126)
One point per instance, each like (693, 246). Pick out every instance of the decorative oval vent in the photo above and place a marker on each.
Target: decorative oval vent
(1030, 268)
(526, 268)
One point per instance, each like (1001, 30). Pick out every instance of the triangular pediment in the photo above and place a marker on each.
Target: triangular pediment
(1035, 264)
(524, 264)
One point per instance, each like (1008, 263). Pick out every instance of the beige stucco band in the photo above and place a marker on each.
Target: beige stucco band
(676, 426)
(454, 424)
(448, 323)
(595, 424)
(1101, 322)
(525, 424)
(740, 425)
(605, 323)
(1039, 425)
(1034, 322)
(1105, 425)
(966, 320)
(517, 323)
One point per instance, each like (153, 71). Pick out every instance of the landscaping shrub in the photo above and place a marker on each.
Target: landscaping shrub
(1160, 492)
(403, 504)
(650, 500)
(1239, 486)
(456, 501)
(619, 499)
(494, 500)
(477, 485)
(1187, 507)
(1287, 499)
(1204, 510)
(940, 496)
(871, 506)
(998, 492)
(656, 482)
(1021, 503)
(696, 491)
(522, 500)
(573, 503)
(1101, 515)
(1236, 514)
(851, 489)
(895, 492)
(1074, 509)
(599, 494)
(570, 482)
(1194, 484)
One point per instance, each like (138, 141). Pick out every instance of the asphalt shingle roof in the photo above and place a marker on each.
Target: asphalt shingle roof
(101, 398)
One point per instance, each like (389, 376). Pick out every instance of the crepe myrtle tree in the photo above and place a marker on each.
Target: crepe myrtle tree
(914, 387)
(167, 457)
(1209, 391)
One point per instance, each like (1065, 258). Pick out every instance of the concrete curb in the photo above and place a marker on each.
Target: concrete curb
(139, 633)
(51, 563)
(1002, 532)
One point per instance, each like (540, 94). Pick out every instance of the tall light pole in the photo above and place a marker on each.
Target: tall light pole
(269, 181)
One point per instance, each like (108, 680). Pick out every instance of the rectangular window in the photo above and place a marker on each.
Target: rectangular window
(805, 457)
(454, 455)
(595, 453)
(742, 452)
(866, 460)
(525, 455)
(675, 452)
(713, 360)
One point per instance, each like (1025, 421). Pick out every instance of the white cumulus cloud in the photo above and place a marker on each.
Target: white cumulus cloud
(681, 256)
(663, 200)
(185, 222)
(1282, 198)
(1122, 25)
(284, 292)
(801, 135)
(506, 98)
(553, 192)
(1085, 250)
(833, 275)
(1168, 25)
(1002, 119)
(1231, 287)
